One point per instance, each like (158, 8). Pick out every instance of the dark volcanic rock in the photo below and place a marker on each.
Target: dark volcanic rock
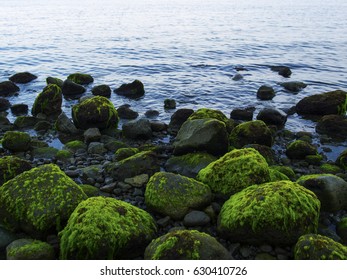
(133, 90)
(124, 112)
(72, 90)
(282, 70)
(169, 104)
(102, 90)
(8, 88)
(272, 116)
(49, 101)
(328, 103)
(293, 86)
(265, 93)
(19, 109)
(22, 78)
(178, 118)
(80, 78)
(4, 104)
(138, 129)
(245, 114)
(333, 125)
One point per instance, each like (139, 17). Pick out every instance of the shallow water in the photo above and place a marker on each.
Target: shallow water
(188, 51)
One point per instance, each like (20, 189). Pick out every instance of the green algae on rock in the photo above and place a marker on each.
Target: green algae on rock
(74, 146)
(39, 201)
(331, 190)
(276, 175)
(318, 247)
(106, 228)
(173, 195)
(341, 230)
(273, 213)
(16, 141)
(29, 249)
(11, 166)
(123, 153)
(300, 149)
(186, 245)
(96, 111)
(205, 113)
(49, 101)
(251, 132)
(80, 78)
(235, 171)
(89, 190)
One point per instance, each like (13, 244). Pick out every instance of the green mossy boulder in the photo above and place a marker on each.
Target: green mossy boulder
(334, 126)
(286, 170)
(331, 190)
(80, 78)
(190, 164)
(186, 245)
(89, 190)
(45, 153)
(11, 166)
(275, 213)
(48, 102)
(341, 230)
(25, 122)
(342, 160)
(318, 247)
(39, 201)
(205, 135)
(140, 163)
(300, 150)
(64, 155)
(174, 195)
(235, 171)
(96, 111)
(205, 113)
(16, 141)
(106, 228)
(252, 132)
(328, 103)
(276, 175)
(74, 146)
(29, 249)
(8, 88)
(124, 153)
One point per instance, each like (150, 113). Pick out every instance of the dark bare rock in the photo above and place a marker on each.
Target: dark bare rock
(245, 114)
(132, 90)
(293, 86)
(4, 104)
(272, 116)
(282, 70)
(138, 129)
(266, 93)
(72, 90)
(19, 109)
(8, 88)
(333, 125)
(178, 118)
(22, 78)
(102, 90)
(124, 112)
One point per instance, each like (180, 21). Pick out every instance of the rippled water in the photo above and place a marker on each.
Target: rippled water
(184, 50)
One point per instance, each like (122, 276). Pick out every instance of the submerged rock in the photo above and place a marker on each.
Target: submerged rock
(102, 228)
(318, 247)
(293, 86)
(235, 171)
(186, 245)
(328, 103)
(22, 78)
(49, 101)
(282, 70)
(275, 213)
(132, 90)
(96, 111)
(174, 195)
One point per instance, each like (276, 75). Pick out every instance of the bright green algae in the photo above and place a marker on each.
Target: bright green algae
(106, 228)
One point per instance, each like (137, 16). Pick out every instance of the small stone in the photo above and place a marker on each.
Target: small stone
(196, 218)
(124, 186)
(72, 173)
(137, 181)
(265, 93)
(92, 135)
(266, 248)
(22, 78)
(137, 192)
(109, 188)
(245, 251)
(163, 222)
(169, 104)
(152, 113)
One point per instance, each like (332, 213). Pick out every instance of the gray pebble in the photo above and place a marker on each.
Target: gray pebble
(266, 248)
(196, 218)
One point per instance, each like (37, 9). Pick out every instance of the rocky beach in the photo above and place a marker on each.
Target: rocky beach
(109, 183)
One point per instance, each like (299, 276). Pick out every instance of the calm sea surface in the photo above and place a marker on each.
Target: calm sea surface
(186, 50)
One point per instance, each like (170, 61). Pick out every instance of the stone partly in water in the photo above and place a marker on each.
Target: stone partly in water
(96, 111)
(272, 116)
(243, 114)
(334, 126)
(169, 104)
(65, 125)
(208, 135)
(276, 213)
(106, 228)
(300, 149)
(48, 102)
(266, 93)
(19, 109)
(235, 171)
(8, 88)
(26, 122)
(205, 113)
(173, 195)
(178, 118)
(29, 249)
(80, 78)
(124, 112)
(4, 104)
(54, 81)
(16, 141)
(252, 132)
(328, 103)
(318, 247)
(72, 90)
(282, 70)
(11, 166)
(331, 190)
(102, 90)
(133, 90)
(294, 86)
(39, 201)
(22, 78)
(186, 245)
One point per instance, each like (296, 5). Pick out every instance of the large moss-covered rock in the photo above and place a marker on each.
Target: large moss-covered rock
(140, 163)
(39, 201)
(106, 228)
(331, 190)
(252, 132)
(81, 78)
(272, 213)
(300, 149)
(48, 101)
(333, 102)
(190, 164)
(11, 166)
(186, 245)
(16, 141)
(208, 135)
(205, 113)
(173, 195)
(333, 125)
(235, 171)
(29, 249)
(97, 112)
(8, 88)
(318, 247)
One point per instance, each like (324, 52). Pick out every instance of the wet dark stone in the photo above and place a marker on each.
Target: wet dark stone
(22, 78)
